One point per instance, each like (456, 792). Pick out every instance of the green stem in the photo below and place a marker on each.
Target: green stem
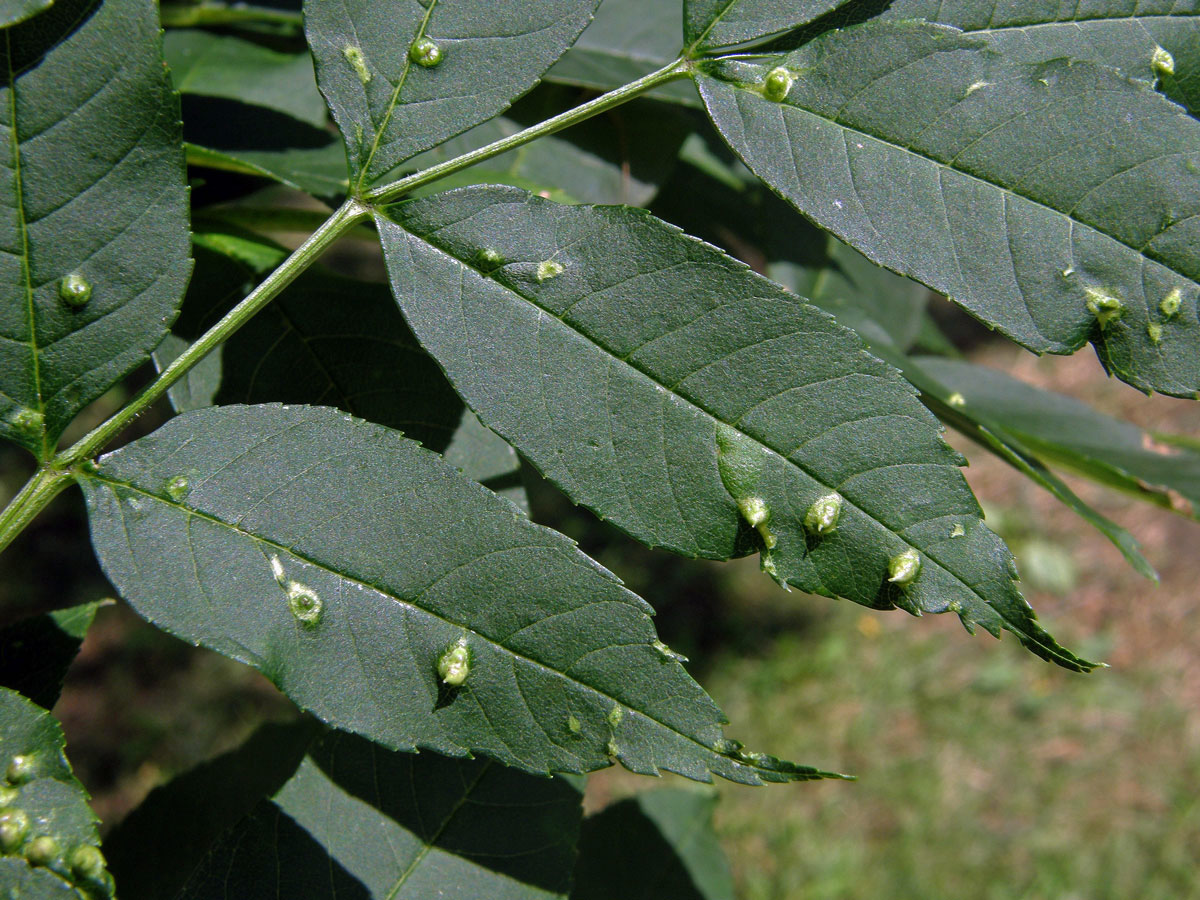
(31, 500)
(344, 218)
(604, 102)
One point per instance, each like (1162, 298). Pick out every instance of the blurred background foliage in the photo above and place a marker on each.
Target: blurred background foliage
(983, 772)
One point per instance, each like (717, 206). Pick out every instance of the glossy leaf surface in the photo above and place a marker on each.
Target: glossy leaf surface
(666, 386)
(327, 551)
(91, 190)
(389, 107)
(43, 808)
(1004, 186)
(357, 821)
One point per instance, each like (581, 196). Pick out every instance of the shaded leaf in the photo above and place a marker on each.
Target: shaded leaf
(217, 65)
(14, 11)
(1110, 32)
(154, 849)
(325, 550)
(1021, 192)
(1073, 434)
(483, 456)
(655, 844)
(620, 157)
(626, 40)
(989, 433)
(91, 189)
(690, 401)
(43, 807)
(35, 653)
(237, 137)
(357, 821)
(327, 340)
(391, 108)
(721, 23)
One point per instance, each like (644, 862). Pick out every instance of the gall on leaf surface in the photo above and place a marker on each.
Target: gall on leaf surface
(698, 406)
(392, 101)
(93, 209)
(402, 557)
(1058, 203)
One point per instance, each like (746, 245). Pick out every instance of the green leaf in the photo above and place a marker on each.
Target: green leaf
(626, 40)
(35, 653)
(154, 849)
(484, 456)
(215, 65)
(91, 190)
(988, 432)
(672, 390)
(1023, 193)
(1151, 466)
(620, 157)
(251, 140)
(654, 844)
(327, 340)
(325, 550)
(1109, 32)
(722, 23)
(361, 822)
(45, 820)
(391, 108)
(14, 11)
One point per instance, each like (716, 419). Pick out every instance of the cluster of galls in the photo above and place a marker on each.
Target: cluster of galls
(82, 865)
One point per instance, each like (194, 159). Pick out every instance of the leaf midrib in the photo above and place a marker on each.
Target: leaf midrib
(429, 843)
(22, 220)
(670, 390)
(979, 178)
(115, 483)
(395, 101)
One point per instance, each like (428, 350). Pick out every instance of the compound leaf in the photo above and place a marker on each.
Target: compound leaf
(93, 209)
(46, 820)
(401, 76)
(391, 596)
(672, 390)
(362, 822)
(1059, 203)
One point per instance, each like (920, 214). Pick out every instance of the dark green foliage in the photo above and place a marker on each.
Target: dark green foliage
(357, 821)
(35, 653)
(628, 385)
(390, 107)
(102, 202)
(991, 181)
